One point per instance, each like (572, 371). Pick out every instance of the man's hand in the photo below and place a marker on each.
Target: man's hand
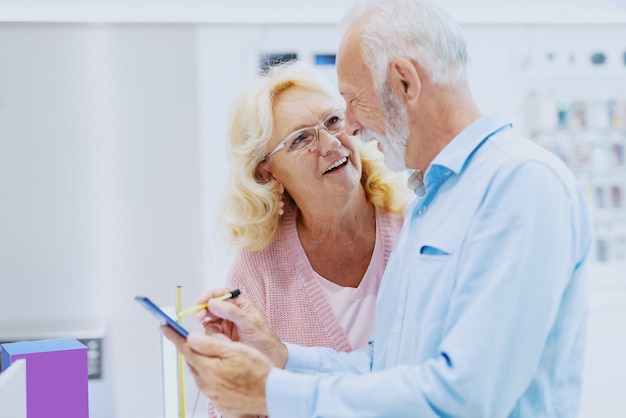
(240, 321)
(229, 373)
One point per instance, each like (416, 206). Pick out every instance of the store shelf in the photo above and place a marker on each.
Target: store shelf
(589, 134)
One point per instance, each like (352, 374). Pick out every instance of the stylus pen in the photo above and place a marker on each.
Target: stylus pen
(229, 295)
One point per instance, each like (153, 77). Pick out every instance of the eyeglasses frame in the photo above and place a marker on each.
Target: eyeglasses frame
(321, 125)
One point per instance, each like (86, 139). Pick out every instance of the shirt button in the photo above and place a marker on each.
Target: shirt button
(396, 329)
(421, 212)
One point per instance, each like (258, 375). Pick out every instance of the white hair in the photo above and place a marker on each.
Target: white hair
(414, 29)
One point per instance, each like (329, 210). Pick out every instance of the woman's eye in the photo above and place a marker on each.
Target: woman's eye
(334, 122)
(301, 140)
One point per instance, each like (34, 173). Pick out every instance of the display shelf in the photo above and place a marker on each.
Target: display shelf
(589, 134)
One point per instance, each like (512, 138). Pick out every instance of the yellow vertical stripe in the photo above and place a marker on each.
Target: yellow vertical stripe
(181, 383)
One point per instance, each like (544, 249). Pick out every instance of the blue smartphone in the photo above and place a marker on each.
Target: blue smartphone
(161, 316)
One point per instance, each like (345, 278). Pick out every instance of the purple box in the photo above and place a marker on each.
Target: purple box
(56, 376)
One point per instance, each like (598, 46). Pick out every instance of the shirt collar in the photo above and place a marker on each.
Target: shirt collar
(457, 152)
(453, 156)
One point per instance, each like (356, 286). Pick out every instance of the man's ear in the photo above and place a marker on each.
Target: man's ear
(404, 79)
(263, 174)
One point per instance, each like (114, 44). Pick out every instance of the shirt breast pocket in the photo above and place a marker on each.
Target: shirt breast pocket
(434, 269)
(430, 250)
(437, 245)
(432, 288)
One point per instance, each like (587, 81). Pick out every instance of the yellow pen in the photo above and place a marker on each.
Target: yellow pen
(229, 295)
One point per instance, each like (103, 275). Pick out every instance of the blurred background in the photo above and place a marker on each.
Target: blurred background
(113, 122)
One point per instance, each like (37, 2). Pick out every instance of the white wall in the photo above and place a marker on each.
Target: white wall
(100, 184)
(290, 11)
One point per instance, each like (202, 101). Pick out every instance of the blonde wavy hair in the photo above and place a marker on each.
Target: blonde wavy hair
(249, 212)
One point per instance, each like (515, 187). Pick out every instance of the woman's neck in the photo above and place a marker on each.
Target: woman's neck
(340, 247)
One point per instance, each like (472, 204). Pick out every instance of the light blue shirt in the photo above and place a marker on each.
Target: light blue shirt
(482, 309)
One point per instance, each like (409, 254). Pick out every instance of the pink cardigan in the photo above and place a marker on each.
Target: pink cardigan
(281, 283)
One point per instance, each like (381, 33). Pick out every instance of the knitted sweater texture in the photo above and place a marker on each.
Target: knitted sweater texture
(281, 283)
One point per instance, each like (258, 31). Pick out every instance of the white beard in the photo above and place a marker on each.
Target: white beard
(395, 140)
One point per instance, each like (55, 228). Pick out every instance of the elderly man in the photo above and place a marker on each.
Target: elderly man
(482, 309)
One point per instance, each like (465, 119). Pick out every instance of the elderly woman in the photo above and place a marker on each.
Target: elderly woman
(314, 212)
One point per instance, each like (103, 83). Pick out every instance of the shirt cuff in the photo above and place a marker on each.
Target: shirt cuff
(289, 394)
(302, 359)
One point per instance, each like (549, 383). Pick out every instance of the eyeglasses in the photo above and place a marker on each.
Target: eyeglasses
(307, 138)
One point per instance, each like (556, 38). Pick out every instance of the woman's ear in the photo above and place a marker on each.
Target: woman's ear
(263, 174)
(404, 79)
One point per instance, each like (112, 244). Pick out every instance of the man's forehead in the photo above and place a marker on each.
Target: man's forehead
(352, 73)
(349, 44)
(349, 60)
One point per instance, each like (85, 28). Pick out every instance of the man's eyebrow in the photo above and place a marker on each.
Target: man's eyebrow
(346, 94)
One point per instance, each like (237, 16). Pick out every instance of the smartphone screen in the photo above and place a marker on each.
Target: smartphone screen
(162, 316)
